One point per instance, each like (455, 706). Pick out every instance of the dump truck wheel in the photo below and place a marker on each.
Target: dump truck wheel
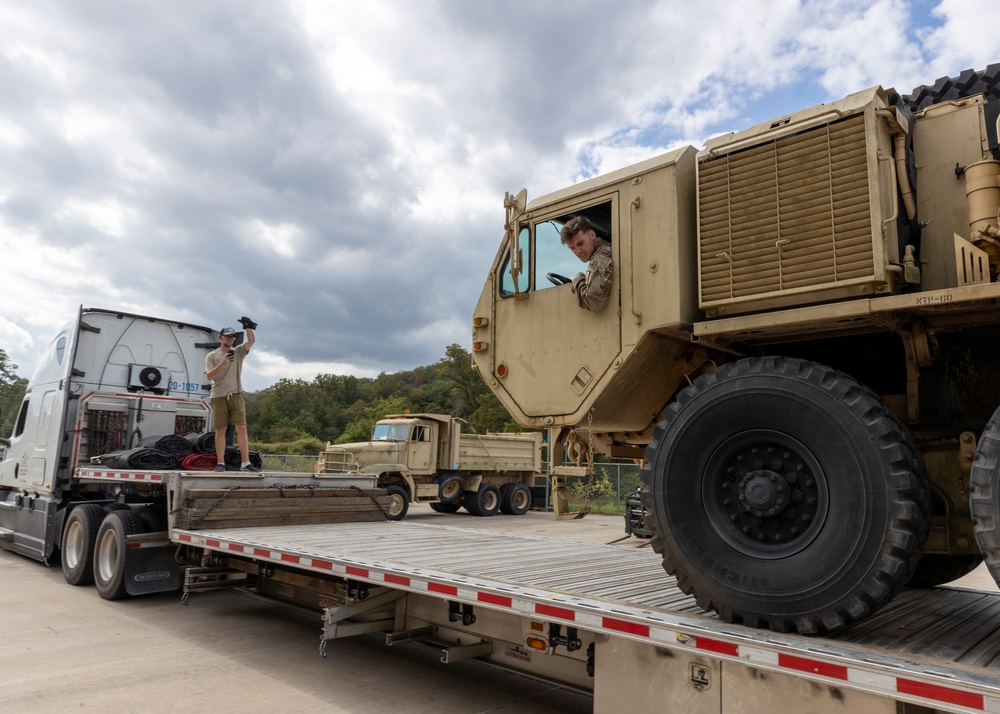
(399, 502)
(785, 494)
(984, 500)
(450, 487)
(110, 551)
(515, 499)
(77, 549)
(484, 502)
(446, 507)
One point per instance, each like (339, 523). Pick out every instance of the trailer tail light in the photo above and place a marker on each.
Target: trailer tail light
(536, 643)
(480, 346)
(501, 370)
(480, 321)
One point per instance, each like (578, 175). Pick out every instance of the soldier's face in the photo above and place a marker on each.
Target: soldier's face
(583, 245)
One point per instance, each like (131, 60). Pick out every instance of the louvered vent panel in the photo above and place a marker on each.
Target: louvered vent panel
(790, 214)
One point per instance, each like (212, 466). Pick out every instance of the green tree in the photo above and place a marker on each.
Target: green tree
(360, 428)
(12, 390)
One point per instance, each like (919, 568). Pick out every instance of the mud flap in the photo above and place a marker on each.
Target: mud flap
(150, 566)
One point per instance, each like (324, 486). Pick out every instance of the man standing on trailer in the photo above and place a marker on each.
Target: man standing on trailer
(224, 369)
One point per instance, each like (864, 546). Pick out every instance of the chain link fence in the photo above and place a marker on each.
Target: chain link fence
(612, 483)
(290, 463)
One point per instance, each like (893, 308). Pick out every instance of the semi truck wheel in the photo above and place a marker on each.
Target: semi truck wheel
(110, 551)
(484, 502)
(399, 502)
(515, 499)
(785, 494)
(984, 501)
(77, 548)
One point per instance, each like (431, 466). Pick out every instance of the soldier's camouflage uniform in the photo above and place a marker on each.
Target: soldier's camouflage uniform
(594, 288)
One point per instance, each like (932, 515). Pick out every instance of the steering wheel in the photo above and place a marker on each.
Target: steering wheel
(557, 279)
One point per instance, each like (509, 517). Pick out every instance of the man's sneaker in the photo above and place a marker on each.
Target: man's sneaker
(220, 467)
(251, 468)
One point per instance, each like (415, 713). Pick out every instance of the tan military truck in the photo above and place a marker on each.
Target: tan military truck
(427, 458)
(802, 349)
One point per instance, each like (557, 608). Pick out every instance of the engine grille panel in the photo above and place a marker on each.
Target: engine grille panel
(790, 216)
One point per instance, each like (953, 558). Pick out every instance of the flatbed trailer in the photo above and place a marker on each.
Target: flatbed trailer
(605, 620)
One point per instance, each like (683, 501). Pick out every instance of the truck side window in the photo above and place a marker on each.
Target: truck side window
(554, 258)
(419, 433)
(22, 418)
(507, 283)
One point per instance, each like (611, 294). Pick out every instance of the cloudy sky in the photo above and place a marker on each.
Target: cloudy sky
(336, 170)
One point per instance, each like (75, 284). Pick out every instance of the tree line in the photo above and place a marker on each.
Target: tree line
(295, 416)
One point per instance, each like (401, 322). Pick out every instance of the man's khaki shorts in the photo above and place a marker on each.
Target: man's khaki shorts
(228, 410)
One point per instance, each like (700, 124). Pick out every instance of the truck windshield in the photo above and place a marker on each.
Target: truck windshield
(390, 432)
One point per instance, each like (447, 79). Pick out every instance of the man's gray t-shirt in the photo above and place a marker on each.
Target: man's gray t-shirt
(228, 382)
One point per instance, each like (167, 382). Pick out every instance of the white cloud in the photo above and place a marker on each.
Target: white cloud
(337, 171)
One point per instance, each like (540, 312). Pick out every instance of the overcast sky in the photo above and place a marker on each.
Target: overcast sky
(336, 170)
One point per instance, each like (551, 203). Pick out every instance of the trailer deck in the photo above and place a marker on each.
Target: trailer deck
(935, 647)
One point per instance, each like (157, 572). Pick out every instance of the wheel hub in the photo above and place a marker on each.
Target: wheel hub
(770, 495)
(764, 493)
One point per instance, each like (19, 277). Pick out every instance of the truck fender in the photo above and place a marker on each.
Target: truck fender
(396, 478)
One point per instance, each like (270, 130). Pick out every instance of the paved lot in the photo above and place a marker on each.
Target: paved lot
(66, 649)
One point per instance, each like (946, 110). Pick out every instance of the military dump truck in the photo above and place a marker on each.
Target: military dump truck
(801, 349)
(427, 458)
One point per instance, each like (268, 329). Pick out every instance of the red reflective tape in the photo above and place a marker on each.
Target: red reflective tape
(184, 537)
(133, 546)
(211, 543)
(444, 589)
(322, 564)
(801, 664)
(262, 552)
(360, 572)
(494, 599)
(397, 579)
(288, 558)
(622, 626)
(550, 611)
(940, 694)
(710, 645)
(236, 547)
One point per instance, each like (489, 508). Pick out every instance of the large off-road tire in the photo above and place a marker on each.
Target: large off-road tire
(110, 551)
(947, 89)
(77, 548)
(984, 499)
(515, 499)
(399, 503)
(784, 494)
(484, 502)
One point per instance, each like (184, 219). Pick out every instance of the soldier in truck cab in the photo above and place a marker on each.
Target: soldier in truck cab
(593, 288)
